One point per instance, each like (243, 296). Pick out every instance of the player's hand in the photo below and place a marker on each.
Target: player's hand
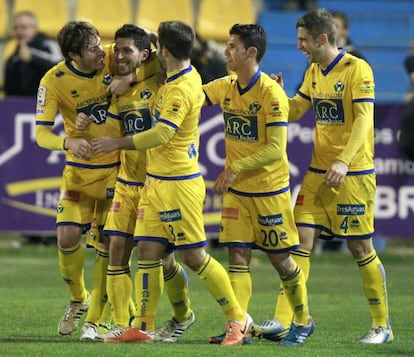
(119, 84)
(335, 175)
(82, 121)
(104, 144)
(278, 78)
(79, 148)
(224, 180)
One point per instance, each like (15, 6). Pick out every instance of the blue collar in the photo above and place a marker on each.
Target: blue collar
(251, 84)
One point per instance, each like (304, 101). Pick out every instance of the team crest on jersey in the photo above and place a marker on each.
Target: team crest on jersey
(313, 85)
(74, 93)
(41, 95)
(107, 79)
(255, 107)
(226, 101)
(146, 94)
(339, 86)
(59, 74)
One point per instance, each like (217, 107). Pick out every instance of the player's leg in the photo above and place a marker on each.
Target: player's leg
(374, 285)
(119, 282)
(236, 233)
(99, 188)
(284, 227)
(71, 220)
(283, 310)
(213, 275)
(356, 219)
(71, 266)
(176, 286)
(191, 194)
(120, 225)
(294, 287)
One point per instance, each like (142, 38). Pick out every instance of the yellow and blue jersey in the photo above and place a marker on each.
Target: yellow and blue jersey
(66, 89)
(333, 93)
(248, 112)
(178, 104)
(132, 109)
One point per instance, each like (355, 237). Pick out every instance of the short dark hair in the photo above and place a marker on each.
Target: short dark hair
(74, 36)
(177, 37)
(251, 35)
(140, 36)
(318, 22)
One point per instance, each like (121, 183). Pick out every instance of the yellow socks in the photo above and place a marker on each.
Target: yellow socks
(119, 287)
(98, 293)
(149, 284)
(176, 285)
(374, 284)
(71, 265)
(283, 310)
(241, 283)
(294, 287)
(215, 278)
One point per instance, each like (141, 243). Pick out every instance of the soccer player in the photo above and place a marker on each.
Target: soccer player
(170, 211)
(337, 193)
(80, 86)
(257, 210)
(133, 48)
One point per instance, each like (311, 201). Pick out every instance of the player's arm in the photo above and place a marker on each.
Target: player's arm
(272, 151)
(298, 105)
(364, 114)
(276, 137)
(213, 90)
(46, 109)
(46, 138)
(158, 135)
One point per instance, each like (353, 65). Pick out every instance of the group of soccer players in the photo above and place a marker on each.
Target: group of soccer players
(132, 150)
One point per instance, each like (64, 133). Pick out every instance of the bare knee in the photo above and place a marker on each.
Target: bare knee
(360, 247)
(193, 257)
(283, 263)
(239, 255)
(68, 236)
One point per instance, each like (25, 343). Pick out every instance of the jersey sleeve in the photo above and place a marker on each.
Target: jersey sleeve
(46, 109)
(175, 108)
(363, 86)
(214, 89)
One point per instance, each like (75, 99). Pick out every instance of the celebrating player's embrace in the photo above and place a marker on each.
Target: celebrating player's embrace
(131, 115)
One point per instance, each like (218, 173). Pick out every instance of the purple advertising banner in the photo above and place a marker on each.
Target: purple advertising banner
(30, 176)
